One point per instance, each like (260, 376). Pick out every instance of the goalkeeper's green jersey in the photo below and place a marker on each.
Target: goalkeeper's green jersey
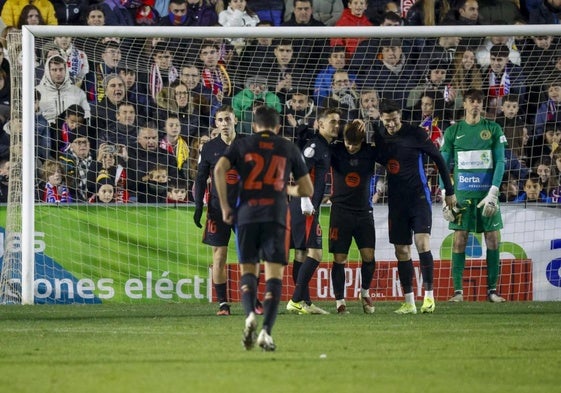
(478, 152)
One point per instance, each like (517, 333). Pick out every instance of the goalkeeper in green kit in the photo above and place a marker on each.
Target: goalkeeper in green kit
(476, 146)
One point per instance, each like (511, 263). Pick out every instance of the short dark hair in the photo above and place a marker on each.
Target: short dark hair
(474, 94)
(150, 124)
(75, 110)
(282, 42)
(511, 98)
(57, 59)
(534, 177)
(337, 49)
(225, 108)
(303, 1)
(389, 106)
(354, 132)
(392, 16)
(266, 117)
(208, 43)
(160, 47)
(126, 103)
(177, 182)
(499, 51)
(111, 44)
(328, 111)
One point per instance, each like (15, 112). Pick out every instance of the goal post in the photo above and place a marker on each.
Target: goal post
(24, 232)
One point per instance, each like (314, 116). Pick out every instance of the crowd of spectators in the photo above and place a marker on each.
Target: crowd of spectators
(122, 120)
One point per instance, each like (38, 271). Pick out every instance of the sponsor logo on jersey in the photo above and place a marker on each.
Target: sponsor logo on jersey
(474, 181)
(393, 166)
(475, 159)
(352, 179)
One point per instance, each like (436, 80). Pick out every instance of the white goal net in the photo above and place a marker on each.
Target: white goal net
(107, 124)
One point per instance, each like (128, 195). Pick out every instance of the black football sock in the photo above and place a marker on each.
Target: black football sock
(221, 294)
(367, 272)
(427, 269)
(304, 276)
(296, 265)
(248, 286)
(405, 271)
(338, 280)
(271, 303)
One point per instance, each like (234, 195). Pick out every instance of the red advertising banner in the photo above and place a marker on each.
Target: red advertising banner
(515, 281)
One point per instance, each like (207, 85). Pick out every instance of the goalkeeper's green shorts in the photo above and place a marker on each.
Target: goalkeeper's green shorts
(470, 219)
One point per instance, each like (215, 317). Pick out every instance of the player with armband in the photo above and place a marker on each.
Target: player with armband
(477, 147)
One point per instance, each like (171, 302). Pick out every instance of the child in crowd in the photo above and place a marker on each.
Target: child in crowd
(550, 110)
(156, 185)
(55, 190)
(510, 189)
(353, 15)
(547, 175)
(514, 126)
(544, 144)
(107, 166)
(238, 15)
(533, 191)
(68, 123)
(105, 192)
(177, 192)
(175, 144)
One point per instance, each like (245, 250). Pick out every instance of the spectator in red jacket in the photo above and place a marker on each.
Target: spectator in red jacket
(352, 16)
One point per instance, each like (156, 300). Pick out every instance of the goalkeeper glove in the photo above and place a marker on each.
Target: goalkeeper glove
(449, 213)
(306, 206)
(197, 216)
(490, 203)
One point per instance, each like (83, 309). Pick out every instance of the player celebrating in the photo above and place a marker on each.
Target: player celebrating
(353, 163)
(477, 147)
(217, 233)
(306, 231)
(401, 147)
(264, 162)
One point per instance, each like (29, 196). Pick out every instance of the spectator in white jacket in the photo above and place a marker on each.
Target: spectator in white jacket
(238, 15)
(58, 92)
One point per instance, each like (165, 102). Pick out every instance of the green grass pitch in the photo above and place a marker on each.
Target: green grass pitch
(468, 347)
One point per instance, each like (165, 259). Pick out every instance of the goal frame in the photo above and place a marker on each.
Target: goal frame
(28, 60)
